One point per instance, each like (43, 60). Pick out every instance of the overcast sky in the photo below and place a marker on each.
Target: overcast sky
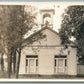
(58, 6)
(59, 9)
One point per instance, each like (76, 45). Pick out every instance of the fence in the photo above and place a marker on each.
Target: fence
(80, 69)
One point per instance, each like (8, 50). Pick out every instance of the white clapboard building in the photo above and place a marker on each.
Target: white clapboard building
(48, 56)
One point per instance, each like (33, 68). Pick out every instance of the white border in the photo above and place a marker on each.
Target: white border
(41, 80)
(37, 3)
(46, 2)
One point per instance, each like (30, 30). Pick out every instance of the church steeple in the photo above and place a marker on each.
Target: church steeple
(47, 17)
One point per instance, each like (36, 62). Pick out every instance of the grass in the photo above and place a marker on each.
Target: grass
(4, 75)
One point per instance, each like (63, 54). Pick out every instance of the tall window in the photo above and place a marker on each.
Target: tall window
(26, 62)
(55, 63)
(65, 62)
(36, 62)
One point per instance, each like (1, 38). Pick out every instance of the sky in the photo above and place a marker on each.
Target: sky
(59, 10)
(58, 6)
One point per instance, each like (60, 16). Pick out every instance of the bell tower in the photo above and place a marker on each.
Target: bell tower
(47, 17)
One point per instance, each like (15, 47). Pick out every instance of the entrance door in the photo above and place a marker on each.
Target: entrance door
(61, 66)
(31, 65)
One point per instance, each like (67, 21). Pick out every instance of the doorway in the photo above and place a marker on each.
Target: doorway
(60, 64)
(31, 64)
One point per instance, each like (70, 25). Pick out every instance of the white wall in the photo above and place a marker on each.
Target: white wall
(46, 60)
(46, 55)
(72, 62)
(51, 38)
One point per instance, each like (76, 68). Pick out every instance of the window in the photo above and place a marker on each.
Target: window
(55, 62)
(26, 62)
(65, 62)
(36, 62)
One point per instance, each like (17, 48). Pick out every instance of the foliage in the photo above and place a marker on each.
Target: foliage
(15, 22)
(72, 25)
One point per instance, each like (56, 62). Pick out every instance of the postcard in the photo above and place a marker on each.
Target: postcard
(42, 41)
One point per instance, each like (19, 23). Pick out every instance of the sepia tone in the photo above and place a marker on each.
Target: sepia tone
(41, 42)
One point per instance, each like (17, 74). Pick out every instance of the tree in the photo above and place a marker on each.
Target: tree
(72, 26)
(15, 22)
(19, 21)
(2, 33)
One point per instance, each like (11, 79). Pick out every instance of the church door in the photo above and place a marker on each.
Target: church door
(31, 64)
(60, 64)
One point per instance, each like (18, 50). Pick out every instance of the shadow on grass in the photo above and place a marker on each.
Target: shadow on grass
(4, 75)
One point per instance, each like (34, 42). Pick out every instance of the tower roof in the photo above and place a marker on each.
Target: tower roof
(47, 10)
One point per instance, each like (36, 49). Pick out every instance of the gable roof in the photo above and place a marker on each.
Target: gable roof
(44, 28)
(32, 35)
(41, 31)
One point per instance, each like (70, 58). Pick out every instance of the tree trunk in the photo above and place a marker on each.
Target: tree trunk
(18, 62)
(14, 62)
(2, 63)
(9, 63)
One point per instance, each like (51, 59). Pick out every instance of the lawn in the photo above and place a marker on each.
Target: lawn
(4, 75)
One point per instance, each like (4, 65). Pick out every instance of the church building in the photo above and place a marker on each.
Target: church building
(48, 56)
